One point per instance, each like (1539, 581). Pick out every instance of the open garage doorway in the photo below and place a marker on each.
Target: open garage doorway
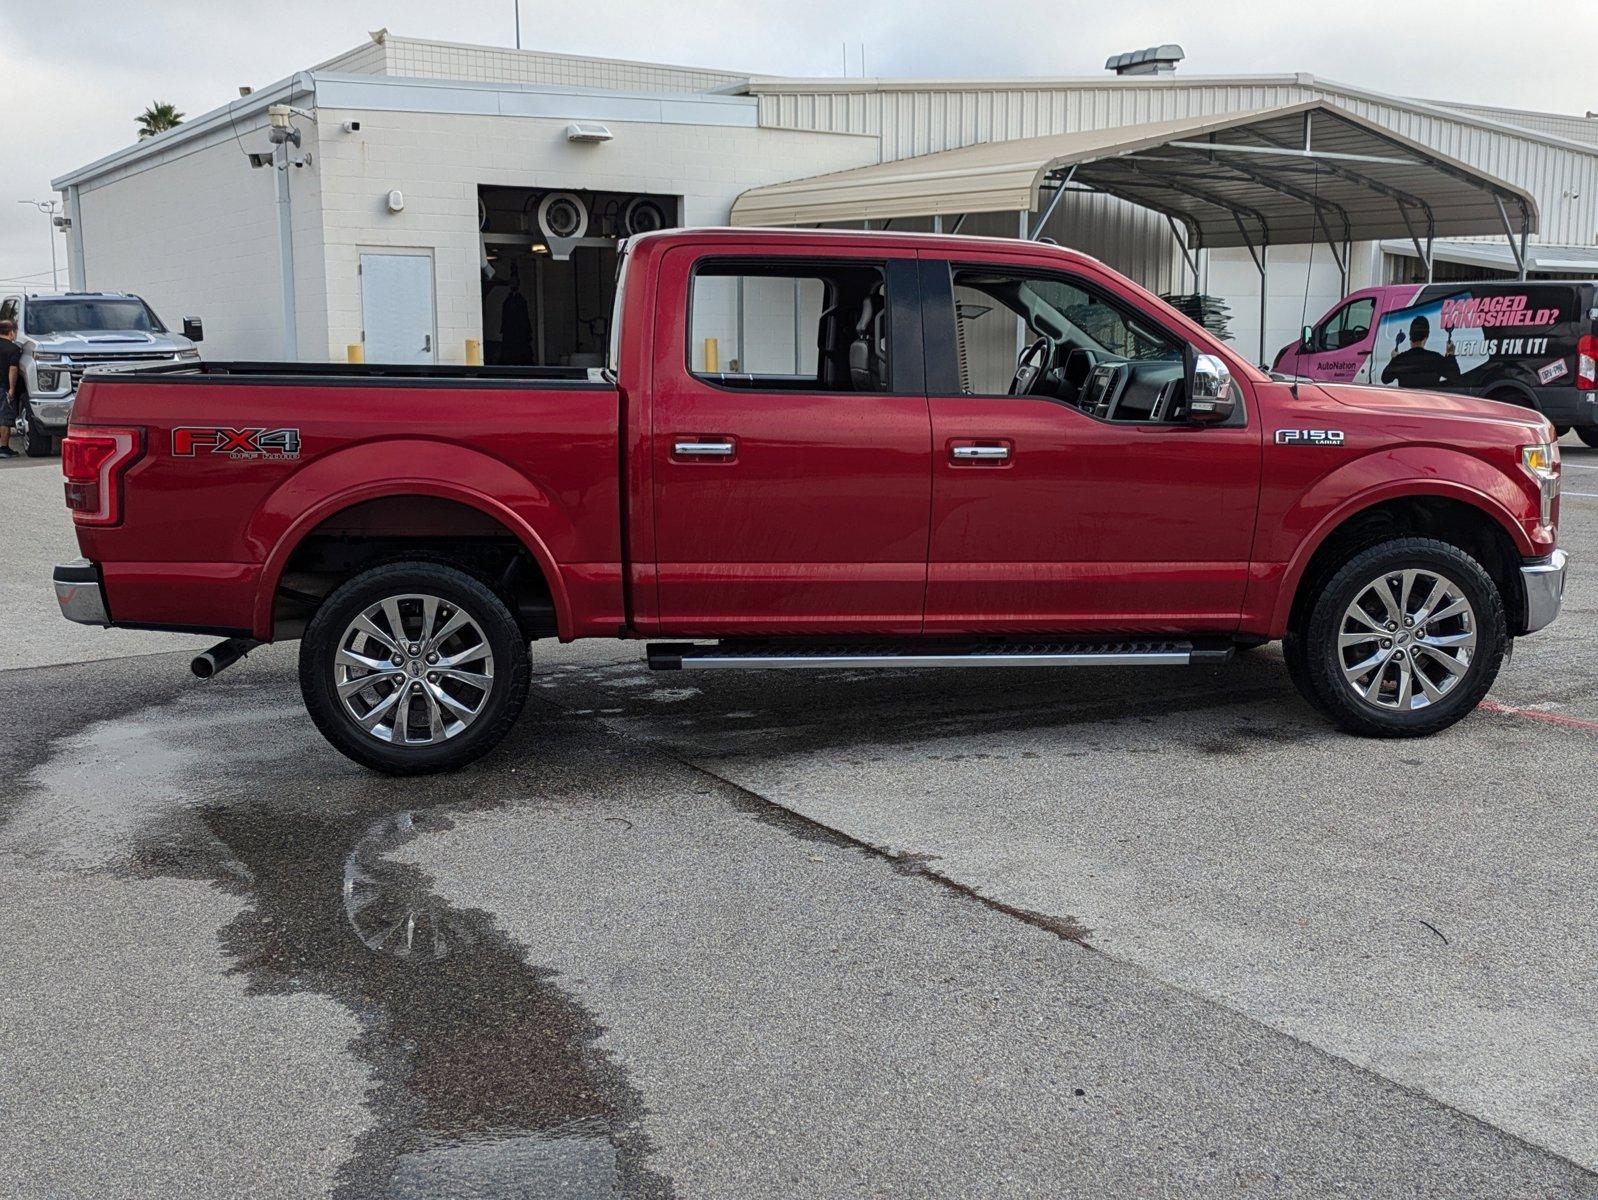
(549, 269)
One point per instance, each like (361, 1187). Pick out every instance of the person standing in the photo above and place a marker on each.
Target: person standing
(10, 384)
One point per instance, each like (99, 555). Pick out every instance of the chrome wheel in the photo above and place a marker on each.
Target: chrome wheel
(413, 670)
(1407, 639)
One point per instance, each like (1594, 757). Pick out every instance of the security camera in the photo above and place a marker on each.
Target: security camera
(352, 127)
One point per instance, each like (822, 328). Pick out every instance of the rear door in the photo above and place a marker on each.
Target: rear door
(791, 446)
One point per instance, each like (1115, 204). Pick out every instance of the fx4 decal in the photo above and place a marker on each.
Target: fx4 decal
(1309, 437)
(236, 443)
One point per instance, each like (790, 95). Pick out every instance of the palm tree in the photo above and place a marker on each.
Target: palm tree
(158, 118)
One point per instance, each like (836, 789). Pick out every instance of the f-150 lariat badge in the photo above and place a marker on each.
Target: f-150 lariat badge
(1309, 437)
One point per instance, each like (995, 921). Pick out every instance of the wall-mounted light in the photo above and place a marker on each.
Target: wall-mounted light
(587, 131)
(396, 201)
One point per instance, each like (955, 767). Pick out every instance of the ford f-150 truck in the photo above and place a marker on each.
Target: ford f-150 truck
(818, 449)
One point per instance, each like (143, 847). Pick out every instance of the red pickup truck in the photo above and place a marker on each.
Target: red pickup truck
(818, 449)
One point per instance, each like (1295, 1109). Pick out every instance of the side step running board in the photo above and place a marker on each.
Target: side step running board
(754, 656)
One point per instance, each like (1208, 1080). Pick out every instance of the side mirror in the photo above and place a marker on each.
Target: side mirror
(1210, 396)
(194, 329)
(1306, 338)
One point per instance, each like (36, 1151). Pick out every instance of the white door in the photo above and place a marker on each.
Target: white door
(397, 307)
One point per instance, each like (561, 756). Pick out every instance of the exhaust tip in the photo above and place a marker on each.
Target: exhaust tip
(220, 657)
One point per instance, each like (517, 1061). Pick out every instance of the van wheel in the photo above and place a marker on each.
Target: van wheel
(1588, 434)
(1403, 640)
(35, 441)
(412, 668)
(1561, 430)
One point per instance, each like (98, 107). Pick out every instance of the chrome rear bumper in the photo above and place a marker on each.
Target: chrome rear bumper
(1542, 585)
(78, 591)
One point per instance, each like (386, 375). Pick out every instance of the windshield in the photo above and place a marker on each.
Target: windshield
(1082, 317)
(82, 315)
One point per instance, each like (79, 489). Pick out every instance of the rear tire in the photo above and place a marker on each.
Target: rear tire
(1408, 665)
(413, 668)
(1588, 434)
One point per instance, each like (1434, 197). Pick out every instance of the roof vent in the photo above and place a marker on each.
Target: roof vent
(1156, 60)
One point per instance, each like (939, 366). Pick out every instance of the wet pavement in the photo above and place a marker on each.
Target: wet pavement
(987, 933)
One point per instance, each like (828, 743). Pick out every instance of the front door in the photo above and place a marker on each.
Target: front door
(397, 307)
(1340, 345)
(791, 448)
(1085, 503)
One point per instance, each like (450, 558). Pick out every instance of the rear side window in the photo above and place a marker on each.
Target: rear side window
(791, 326)
(8, 310)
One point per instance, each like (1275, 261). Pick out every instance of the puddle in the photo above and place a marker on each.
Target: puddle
(490, 1079)
(487, 1076)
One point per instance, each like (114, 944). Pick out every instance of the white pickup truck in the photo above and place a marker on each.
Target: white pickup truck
(63, 336)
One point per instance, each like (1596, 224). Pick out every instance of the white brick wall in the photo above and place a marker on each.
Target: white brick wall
(439, 160)
(194, 231)
(421, 59)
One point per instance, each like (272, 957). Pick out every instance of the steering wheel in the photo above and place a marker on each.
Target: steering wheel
(1029, 367)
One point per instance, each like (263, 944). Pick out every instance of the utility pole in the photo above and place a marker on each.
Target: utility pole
(518, 24)
(50, 208)
(285, 141)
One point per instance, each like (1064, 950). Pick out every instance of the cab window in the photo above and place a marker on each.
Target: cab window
(1046, 336)
(812, 326)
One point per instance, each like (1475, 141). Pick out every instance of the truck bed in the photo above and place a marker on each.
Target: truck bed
(243, 461)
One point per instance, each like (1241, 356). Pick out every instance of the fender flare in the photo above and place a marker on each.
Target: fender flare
(1392, 489)
(308, 520)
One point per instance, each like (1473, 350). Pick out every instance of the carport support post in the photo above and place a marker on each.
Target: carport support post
(1518, 249)
(1259, 262)
(285, 249)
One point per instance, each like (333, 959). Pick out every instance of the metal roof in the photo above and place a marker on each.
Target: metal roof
(1284, 175)
(1540, 256)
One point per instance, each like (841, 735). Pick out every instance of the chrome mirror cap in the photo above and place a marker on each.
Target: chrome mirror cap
(1211, 397)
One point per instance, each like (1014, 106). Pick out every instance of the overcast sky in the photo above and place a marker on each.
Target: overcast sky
(77, 72)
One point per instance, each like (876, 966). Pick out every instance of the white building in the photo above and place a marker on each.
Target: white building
(412, 201)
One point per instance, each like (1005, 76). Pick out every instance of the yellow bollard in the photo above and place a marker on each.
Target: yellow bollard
(712, 357)
(355, 352)
(474, 352)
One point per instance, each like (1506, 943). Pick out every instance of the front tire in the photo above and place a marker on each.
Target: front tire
(413, 668)
(36, 442)
(1588, 434)
(1403, 640)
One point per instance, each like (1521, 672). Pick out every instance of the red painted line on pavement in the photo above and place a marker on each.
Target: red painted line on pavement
(1533, 714)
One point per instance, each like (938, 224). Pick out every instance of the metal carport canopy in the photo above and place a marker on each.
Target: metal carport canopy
(1310, 172)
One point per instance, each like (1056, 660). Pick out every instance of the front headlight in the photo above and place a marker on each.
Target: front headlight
(50, 381)
(1541, 459)
(1541, 462)
(46, 356)
(189, 355)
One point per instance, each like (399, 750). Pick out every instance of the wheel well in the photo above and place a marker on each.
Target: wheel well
(1452, 521)
(411, 528)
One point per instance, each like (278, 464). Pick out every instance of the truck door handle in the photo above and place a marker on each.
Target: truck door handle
(991, 453)
(719, 448)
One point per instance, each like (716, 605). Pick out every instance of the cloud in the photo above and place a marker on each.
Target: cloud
(77, 79)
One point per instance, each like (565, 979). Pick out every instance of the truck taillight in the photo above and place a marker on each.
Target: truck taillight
(1587, 364)
(93, 460)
